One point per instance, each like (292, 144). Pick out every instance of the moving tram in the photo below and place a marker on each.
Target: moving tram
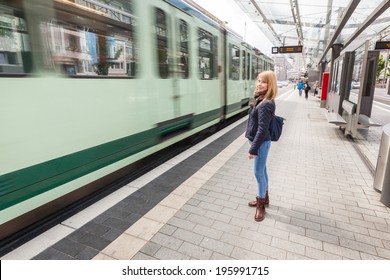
(90, 88)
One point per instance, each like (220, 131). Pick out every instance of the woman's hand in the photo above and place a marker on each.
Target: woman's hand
(251, 156)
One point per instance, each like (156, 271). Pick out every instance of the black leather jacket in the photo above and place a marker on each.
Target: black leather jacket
(258, 124)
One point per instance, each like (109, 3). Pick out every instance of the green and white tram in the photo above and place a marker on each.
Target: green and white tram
(90, 87)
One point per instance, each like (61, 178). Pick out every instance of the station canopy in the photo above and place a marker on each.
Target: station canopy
(318, 24)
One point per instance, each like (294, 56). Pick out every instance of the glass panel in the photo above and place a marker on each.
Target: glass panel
(15, 54)
(339, 73)
(184, 39)
(334, 78)
(357, 69)
(314, 24)
(370, 78)
(161, 31)
(234, 63)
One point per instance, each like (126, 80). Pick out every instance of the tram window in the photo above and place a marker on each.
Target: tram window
(248, 57)
(184, 39)
(207, 55)
(243, 65)
(15, 53)
(161, 32)
(261, 65)
(234, 63)
(255, 67)
(99, 43)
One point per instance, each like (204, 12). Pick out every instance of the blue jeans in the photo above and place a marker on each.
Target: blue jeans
(261, 169)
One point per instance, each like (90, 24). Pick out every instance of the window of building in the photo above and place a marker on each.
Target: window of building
(15, 53)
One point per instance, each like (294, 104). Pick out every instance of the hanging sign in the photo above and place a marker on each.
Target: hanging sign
(290, 49)
(382, 45)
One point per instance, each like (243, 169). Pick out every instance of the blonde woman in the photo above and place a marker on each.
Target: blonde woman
(259, 138)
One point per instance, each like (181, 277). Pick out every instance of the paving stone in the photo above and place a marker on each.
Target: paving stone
(359, 246)
(322, 236)
(167, 241)
(195, 251)
(237, 241)
(203, 220)
(242, 254)
(217, 246)
(321, 255)
(188, 236)
(208, 232)
(150, 248)
(306, 241)
(341, 251)
(269, 251)
(227, 228)
(169, 254)
(288, 246)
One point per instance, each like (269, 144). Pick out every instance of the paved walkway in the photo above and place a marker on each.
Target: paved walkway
(322, 203)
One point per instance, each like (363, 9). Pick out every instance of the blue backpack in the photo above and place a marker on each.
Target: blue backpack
(276, 127)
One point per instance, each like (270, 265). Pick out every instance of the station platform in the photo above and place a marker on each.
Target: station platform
(322, 203)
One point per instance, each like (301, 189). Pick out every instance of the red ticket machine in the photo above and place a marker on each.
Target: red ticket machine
(324, 89)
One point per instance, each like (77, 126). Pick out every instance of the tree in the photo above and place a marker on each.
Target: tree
(381, 65)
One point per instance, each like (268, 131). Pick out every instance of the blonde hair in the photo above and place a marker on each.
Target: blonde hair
(270, 78)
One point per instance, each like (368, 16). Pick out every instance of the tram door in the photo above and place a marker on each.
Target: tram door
(181, 46)
(367, 85)
(173, 84)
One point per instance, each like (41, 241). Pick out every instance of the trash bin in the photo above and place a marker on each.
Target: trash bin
(382, 174)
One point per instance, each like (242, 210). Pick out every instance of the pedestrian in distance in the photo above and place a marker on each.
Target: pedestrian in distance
(257, 132)
(300, 87)
(316, 88)
(307, 88)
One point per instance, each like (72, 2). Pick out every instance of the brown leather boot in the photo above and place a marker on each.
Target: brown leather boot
(253, 203)
(260, 209)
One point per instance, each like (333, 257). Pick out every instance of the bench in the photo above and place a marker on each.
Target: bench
(335, 118)
(348, 107)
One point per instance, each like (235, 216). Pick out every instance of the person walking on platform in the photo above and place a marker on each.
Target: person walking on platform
(259, 138)
(307, 88)
(300, 87)
(316, 88)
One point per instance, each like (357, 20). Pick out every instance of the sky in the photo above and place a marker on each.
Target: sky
(228, 10)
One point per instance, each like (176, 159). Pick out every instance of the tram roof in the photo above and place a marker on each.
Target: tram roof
(317, 25)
